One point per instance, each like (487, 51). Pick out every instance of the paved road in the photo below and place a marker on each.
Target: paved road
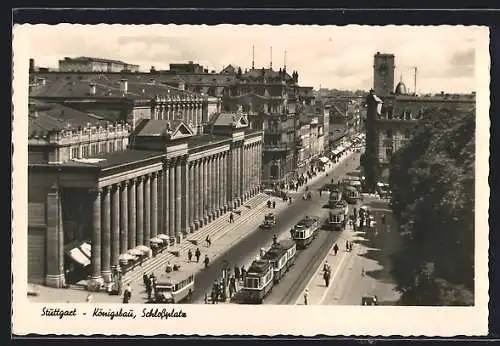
(248, 248)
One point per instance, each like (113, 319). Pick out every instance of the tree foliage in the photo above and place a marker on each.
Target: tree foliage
(432, 182)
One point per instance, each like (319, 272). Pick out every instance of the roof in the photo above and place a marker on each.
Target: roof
(229, 119)
(174, 276)
(259, 267)
(48, 118)
(256, 73)
(105, 87)
(116, 158)
(275, 252)
(287, 243)
(400, 89)
(161, 127)
(90, 59)
(307, 222)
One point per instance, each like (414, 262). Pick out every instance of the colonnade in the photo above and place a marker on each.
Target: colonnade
(181, 196)
(169, 109)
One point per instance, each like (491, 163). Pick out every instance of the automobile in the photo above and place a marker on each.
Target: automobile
(269, 221)
(369, 300)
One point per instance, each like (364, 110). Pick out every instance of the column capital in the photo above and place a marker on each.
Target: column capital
(153, 175)
(96, 190)
(124, 184)
(139, 180)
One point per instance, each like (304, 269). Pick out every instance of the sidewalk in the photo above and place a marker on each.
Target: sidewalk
(319, 175)
(364, 271)
(317, 290)
(222, 233)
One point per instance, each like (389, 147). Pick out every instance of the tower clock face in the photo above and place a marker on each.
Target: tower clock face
(383, 69)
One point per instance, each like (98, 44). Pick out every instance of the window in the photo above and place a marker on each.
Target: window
(74, 153)
(85, 150)
(252, 282)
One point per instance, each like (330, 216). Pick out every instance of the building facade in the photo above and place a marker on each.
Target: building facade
(88, 64)
(168, 181)
(391, 118)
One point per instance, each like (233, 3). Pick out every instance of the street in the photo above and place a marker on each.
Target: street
(248, 248)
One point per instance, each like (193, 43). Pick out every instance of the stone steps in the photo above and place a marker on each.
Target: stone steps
(217, 225)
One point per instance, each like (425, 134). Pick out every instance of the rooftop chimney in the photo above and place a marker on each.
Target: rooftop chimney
(123, 86)
(92, 89)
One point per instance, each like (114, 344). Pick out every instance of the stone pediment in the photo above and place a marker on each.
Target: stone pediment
(178, 129)
(168, 129)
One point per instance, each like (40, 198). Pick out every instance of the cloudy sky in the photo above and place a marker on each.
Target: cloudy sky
(326, 56)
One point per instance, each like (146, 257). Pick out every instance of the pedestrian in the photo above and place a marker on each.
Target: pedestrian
(237, 273)
(326, 277)
(350, 246)
(269, 203)
(145, 279)
(231, 217)
(243, 273)
(363, 271)
(197, 253)
(335, 249)
(275, 239)
(127, 294)
(90, 298)
(292, 232)
(383, 219)
(232, 283)
(320, 192)
(274, 204)
(306, 295)
(326, 267)
(205, 299)
(208, 240)
(206, 261)
(149, 290)
(347, 245)
(190, 255)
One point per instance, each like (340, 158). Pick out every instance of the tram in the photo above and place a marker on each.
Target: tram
(258, 282)
(305, 231)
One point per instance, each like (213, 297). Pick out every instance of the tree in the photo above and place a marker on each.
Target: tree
(432, 182)
(239, 73)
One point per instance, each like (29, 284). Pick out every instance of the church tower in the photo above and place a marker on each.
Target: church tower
(383, 74)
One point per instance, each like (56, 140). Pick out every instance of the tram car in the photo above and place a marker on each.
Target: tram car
(258, 282)
(336, 220)
(335, 197)
(305, 231)
(276, 255)
(173, 287)
(291, 250)
(351, 194)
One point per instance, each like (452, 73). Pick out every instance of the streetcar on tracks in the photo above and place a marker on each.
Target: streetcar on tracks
(335, 196)
(291, 250)
(258, 282)
(336, 220)
(351, 194)
(276, 255)
(174, 287)
(305, 231)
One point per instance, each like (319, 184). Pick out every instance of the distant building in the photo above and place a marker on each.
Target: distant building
(88, 64)
(396, 112)
(190, 67)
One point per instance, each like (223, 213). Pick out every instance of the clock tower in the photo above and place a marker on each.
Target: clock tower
(383, 74)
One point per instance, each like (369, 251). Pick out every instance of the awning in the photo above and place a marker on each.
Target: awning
(127, 257)
(156, 240)
(135, 252)
(77, 255)
(163, 236)
(324, 159)
(86, 249)
(335, 152)
(143, 248)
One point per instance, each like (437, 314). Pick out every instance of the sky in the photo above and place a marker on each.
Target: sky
(324, 56)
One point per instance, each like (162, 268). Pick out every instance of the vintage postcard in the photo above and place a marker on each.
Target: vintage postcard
(250, 180)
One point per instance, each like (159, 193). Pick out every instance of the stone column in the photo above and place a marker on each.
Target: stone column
(115, 224)
(106, 235)
(147, 210)
(160, 189)
(54, 248)
(210, 187)
(244, 164)
(96, 236)
(205, 190)
(192, 204)
(178, 201)
(139, 211)
(185, 183)
(171, 200)
(217, 185)
(124, 217)
(132, 214)
(199, 192)
(154, 206)
(166, 199)
(251, 170)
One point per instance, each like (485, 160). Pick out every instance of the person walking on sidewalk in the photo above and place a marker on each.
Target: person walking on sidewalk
(306, 295)
(190, 255)
(269, 204)
(274, 204)
(347, 245)
(206, 261)
(197, 253)
(335, 249)
(127, 294)
(208, 240)
(326, 277)
(237, 273)
(231, 217)
(243, 273)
